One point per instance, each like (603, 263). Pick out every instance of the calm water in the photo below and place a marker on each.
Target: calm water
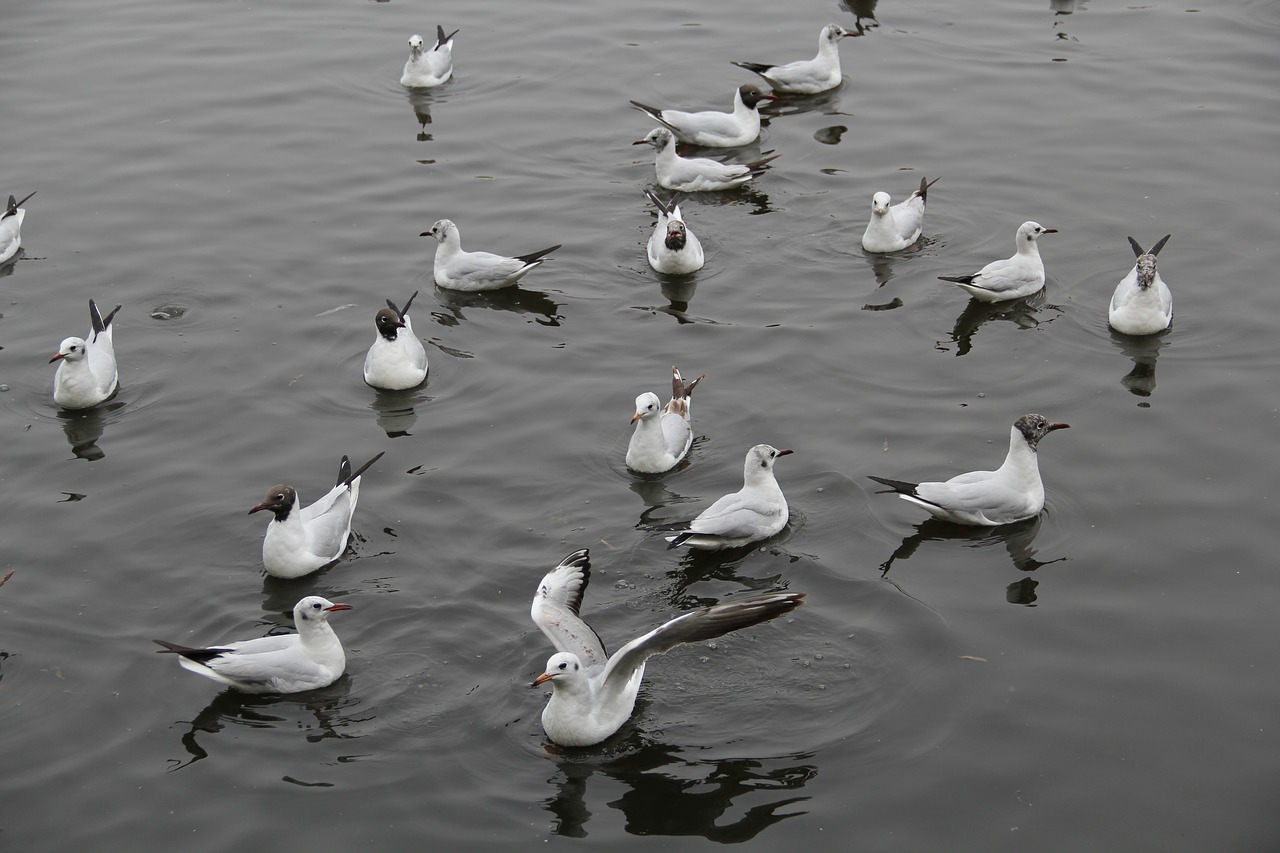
(249, 181)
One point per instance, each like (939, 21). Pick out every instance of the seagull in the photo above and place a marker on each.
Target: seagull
(593, 694)
(299, 543)
(396, 360)
(432, 68)
(1013, 492)
(662, 436)
(896, 227)
(806, 76)
(11, 228)
(1013, 278)
(673, 248)
(695, 174)
(716, 129)
(87, 366)
(755, 512)
(471, 271)
(280, 663)
(1142, 303)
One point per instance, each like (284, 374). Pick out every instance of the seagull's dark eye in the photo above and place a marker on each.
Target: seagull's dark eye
(316, 606)
(280, 496)
(564, 665)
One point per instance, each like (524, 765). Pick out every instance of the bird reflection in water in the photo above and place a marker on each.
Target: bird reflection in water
(327, 713)
(84, 427)
(514, 298)
(865, 13)
(396, 410)
(1018, 539)
(1023, 313)
(1143, 350)
(421, 101)
(668, 794)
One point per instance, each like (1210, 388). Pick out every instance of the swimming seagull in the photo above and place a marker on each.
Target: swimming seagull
(1142, 303)
(806, 76)
(300, 541)
(1013, 278)
(396, 360)
(593, 693)
(430, 68)
(696, 174)
(673, 249)
(11, 228)
(472, 271)
(281, 663)
(756, 511)
(897, 227)
(716, 129)
(1012, 492)
(87, 366)
(662, 436)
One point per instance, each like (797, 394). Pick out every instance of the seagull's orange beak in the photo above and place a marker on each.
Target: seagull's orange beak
(543, 679)
(338, 606)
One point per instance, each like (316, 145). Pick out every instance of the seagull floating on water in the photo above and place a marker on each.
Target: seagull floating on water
(281, 663)
(397, 359)
(593, 693)
(715, 129)
(662, 436)
(1012, 278)
(755, 512)
(894, 228)
(697, 174)
(673, 248)
(426, 69)
(472, 271)
(806, 76)
(87, 366)
(300, 541)
(1142, 303)
(11, 227)
(1013, 492)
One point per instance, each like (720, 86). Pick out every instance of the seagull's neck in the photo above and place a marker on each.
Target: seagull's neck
(740, 109)
(316, 633)
(759, 478)
(1022, 462)
(827, 49)
(1028, 248)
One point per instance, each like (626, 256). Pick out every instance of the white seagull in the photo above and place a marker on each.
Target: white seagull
(1142, 303)
(716, 129)
(459, 270)
(756, 511)
(696, 174)
(281, 663)
(897, 227)
(433, 67)
(300, 541)
(11, 228)
(87, 366)
(806, 76)
(1012, 278)
(593, 693)
(1013, 492)
(396, 360)
(662, 436)
(673, 248)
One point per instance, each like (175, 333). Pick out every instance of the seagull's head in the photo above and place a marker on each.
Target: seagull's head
(880, 203)
(1146, 265)
(659, 138)
(1035, 427)
(72, 350)
(280, 500)
(441, 230)
(1029, 232)
(314, 608)
(676, 235)
(647, 405)
(415, 45)
(834, 32)
(388, 323)
(562, 669)
(752, 94)
(761, 458)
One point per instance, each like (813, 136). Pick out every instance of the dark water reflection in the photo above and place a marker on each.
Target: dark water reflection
(519, 299)
(671, 794)
(84, 428)
(1143, 350)
(1023, 313)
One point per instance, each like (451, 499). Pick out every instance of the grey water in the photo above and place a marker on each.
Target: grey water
(248, 180)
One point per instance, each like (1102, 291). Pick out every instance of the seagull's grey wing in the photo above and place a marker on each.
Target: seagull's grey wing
(483, 267)
(734, 516)
(555, 610)
(704, 624)
(978, 492)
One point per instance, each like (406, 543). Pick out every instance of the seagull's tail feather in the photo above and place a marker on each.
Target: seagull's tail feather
(759, 167)
(95, 317)
(679, 389)
(441, 38)
(959, 279)
(754, 67)
(653, 112)
(900, 486)
(923, 192)
(197, 655)
(346, 478)
(538, 255)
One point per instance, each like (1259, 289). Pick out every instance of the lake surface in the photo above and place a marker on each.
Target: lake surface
(249, 181)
